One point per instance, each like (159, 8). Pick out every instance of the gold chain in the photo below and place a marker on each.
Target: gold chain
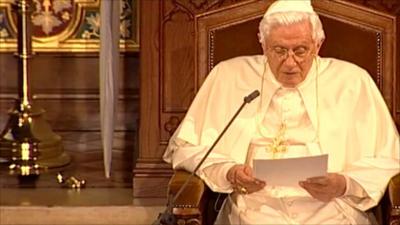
(278, 144)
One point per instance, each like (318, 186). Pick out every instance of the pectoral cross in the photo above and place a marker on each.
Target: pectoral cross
(278, 144)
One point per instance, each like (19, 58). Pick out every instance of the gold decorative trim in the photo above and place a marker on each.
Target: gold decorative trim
(65, 40)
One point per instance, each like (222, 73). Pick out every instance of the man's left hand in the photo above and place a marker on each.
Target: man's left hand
(325, 188)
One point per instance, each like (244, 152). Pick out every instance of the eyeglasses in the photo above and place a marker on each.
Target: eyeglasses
(299, 53)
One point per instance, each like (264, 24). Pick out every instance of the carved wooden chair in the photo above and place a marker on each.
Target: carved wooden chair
(362, 36)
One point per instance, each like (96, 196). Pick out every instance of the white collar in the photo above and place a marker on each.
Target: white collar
(307, 89)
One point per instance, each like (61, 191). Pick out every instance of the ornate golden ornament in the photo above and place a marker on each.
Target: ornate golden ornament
(68, 26)
(278, 144)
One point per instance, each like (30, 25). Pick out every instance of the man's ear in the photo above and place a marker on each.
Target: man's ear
(318, 47)
(262, 42)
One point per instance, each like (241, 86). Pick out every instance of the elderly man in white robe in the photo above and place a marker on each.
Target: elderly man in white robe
(308, 106)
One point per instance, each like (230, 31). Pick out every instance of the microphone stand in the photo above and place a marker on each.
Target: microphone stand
(167, 217)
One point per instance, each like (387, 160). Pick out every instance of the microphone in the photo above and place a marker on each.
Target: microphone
(251, 96)
(167, 217)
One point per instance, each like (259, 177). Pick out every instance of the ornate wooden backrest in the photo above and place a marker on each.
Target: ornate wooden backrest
(354, 33)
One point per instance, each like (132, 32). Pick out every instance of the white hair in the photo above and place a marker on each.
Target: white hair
(288, 18)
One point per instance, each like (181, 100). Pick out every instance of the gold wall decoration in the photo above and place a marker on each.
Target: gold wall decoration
(68, 26)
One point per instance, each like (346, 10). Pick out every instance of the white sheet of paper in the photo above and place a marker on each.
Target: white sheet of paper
(288, 172)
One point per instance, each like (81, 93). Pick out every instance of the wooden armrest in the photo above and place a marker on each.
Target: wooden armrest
(394, 200)
(191, 195)
(188, 206)
(197, 204)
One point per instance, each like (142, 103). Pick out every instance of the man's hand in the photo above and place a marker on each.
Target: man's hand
(242, 180)
(325, 188)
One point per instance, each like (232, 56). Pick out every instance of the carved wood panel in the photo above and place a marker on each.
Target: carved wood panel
(392, 7)
(177, 57)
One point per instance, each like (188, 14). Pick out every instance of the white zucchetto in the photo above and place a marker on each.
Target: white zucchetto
(281, 6)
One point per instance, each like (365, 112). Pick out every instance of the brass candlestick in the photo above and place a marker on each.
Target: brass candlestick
(28, 142)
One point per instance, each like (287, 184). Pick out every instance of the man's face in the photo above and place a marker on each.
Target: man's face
(290, 50)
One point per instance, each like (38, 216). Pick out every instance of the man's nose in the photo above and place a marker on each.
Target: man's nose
(290, 59)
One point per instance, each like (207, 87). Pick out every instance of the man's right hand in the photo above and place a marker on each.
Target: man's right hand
(242, 180)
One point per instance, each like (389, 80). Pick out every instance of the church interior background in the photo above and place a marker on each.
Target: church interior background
(64, 82)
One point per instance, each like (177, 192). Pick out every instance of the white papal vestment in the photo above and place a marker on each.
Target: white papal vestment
(337, 110)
